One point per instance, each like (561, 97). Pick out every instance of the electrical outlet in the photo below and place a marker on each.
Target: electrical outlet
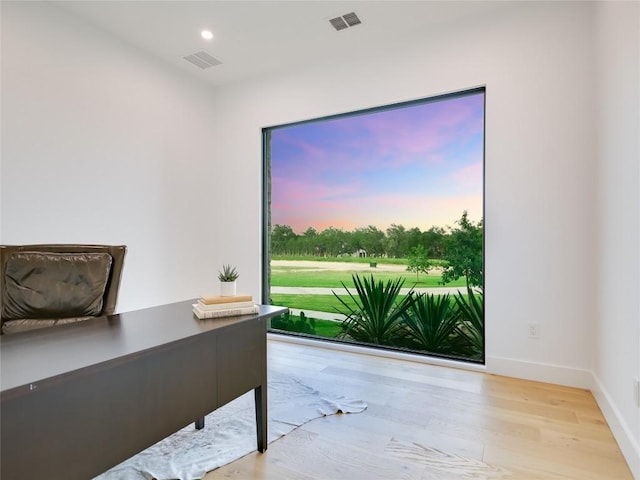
(534, 330)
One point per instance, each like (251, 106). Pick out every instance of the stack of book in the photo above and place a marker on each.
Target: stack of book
(216, 307)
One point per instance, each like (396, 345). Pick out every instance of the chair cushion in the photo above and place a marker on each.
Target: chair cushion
(42, 285)
(23, 325)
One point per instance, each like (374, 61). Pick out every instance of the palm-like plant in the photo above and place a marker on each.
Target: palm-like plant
(471, 311)
(432, 325)
(377, 315)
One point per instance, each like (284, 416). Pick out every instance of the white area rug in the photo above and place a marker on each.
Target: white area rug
(230, 432)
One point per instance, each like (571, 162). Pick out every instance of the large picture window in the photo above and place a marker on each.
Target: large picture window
(374, 226)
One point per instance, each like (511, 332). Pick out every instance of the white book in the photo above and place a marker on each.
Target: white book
(229, 312)
(224, 306)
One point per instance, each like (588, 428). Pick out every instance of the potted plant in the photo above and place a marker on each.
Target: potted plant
(228, 276)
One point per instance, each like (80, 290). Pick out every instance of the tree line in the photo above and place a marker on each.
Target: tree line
(459, 246)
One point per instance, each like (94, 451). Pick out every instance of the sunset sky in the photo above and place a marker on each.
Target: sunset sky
(417, 167)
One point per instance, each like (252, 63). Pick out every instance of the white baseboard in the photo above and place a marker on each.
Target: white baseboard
(620, 428)
(579, 378)
(379, 352)
(540, 372)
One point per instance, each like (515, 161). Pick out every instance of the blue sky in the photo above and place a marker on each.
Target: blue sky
(418, 166)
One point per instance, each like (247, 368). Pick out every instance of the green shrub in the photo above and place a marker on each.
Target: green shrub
(433, 325)
(471, 316)
(375, 314)
(294, 323)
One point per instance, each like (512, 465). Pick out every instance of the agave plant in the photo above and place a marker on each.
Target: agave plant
(432, 325)
(377, 315)
(471, 312)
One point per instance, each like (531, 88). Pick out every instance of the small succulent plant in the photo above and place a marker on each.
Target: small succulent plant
(228, 274)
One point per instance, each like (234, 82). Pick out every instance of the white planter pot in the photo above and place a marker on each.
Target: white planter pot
(227, 289)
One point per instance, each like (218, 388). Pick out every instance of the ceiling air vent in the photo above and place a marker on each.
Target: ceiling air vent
(345, 21)
(202, 59)
(338, 23)
(351, 19)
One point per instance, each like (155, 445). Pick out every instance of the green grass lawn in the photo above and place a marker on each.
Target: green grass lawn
(298, 276)
(307, 277)
(327, 328)
(318, 303)
(334, 279)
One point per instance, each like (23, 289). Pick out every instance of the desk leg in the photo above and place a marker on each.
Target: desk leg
(261, 416)
(199, 423)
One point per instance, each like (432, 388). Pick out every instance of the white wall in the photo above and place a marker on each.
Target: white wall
(536, 62)
(617, 354)
(101, 144)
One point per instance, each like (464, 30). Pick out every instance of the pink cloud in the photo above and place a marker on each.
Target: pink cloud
(402, 136)
(468, 177)
(300, 192)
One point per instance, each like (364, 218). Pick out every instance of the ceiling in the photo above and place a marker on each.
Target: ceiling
(253, 38)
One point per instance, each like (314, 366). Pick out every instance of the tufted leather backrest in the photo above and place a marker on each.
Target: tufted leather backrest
(42, 285)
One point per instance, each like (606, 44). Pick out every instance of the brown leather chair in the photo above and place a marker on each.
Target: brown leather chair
(47, 285)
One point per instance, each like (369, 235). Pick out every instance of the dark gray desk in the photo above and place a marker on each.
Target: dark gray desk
(78, 399)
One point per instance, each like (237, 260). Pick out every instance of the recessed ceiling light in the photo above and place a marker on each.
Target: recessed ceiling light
(206, 34)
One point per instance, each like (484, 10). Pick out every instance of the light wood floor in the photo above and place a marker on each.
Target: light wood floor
(429, 422)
